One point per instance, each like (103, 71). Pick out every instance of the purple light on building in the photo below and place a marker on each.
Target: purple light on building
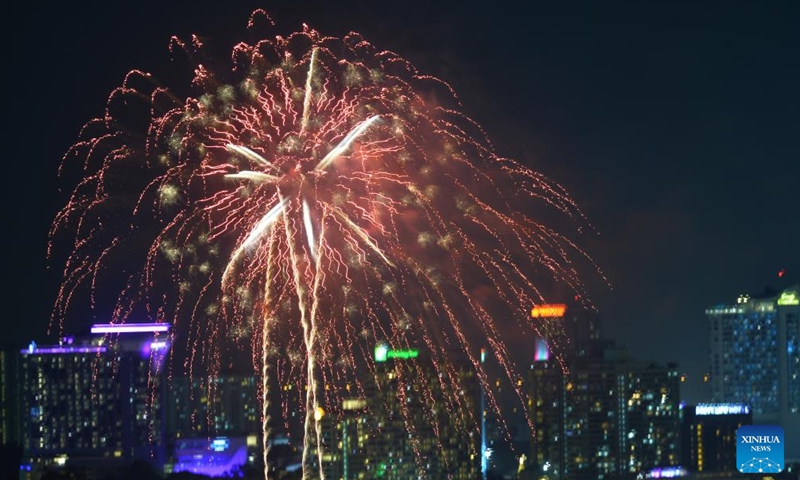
(34, 350)
(156, 351)
(667, 472)
(130, 327)
(219, 457)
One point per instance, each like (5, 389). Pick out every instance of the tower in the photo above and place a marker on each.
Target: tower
(755, 357)
(95, 401)
(414, 421)
(606, 417)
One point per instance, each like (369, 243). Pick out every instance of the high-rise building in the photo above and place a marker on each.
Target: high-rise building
(413, 422)
(581, 327)
(566, 329)
(213, 424)
(755, 357)
(218, 405)
(95, 400)
(609, 416)
(345, 439)
(708, 432)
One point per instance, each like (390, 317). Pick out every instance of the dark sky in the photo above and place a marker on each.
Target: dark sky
(675, 126)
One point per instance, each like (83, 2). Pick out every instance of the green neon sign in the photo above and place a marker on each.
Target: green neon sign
(788, 298)
(383, 353)
(403, 354)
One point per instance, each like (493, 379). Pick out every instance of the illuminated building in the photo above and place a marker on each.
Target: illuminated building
(213, 424)
(755, 357)
(546, 402)
(407, 426)
(220, 405)
(505, 434)
(444, 442)
(345, 439)
(214, 457)
(609, 417)
(97, 400)
(709, 435)
(574, 329)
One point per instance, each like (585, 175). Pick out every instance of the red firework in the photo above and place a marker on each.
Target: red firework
(316, 199)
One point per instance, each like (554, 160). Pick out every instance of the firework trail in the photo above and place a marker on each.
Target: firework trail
(315, 198)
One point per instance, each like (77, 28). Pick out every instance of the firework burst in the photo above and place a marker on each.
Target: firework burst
(316, 199)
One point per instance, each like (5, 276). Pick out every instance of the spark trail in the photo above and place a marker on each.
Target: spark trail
(315, 198)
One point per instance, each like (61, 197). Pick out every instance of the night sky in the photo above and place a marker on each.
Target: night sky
(674, 125)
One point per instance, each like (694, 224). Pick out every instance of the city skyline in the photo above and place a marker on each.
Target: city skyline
(63, 386)
(611, 414)
(670, 248)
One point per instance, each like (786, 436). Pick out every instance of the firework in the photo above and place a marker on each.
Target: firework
(315, 198)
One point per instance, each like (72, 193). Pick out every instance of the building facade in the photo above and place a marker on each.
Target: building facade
(709, 436)
(219, 405)
(96, 400)
(414, 421)
(608, 417)
(755, 357)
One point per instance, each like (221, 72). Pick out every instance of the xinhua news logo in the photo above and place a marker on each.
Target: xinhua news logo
(759, 449)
